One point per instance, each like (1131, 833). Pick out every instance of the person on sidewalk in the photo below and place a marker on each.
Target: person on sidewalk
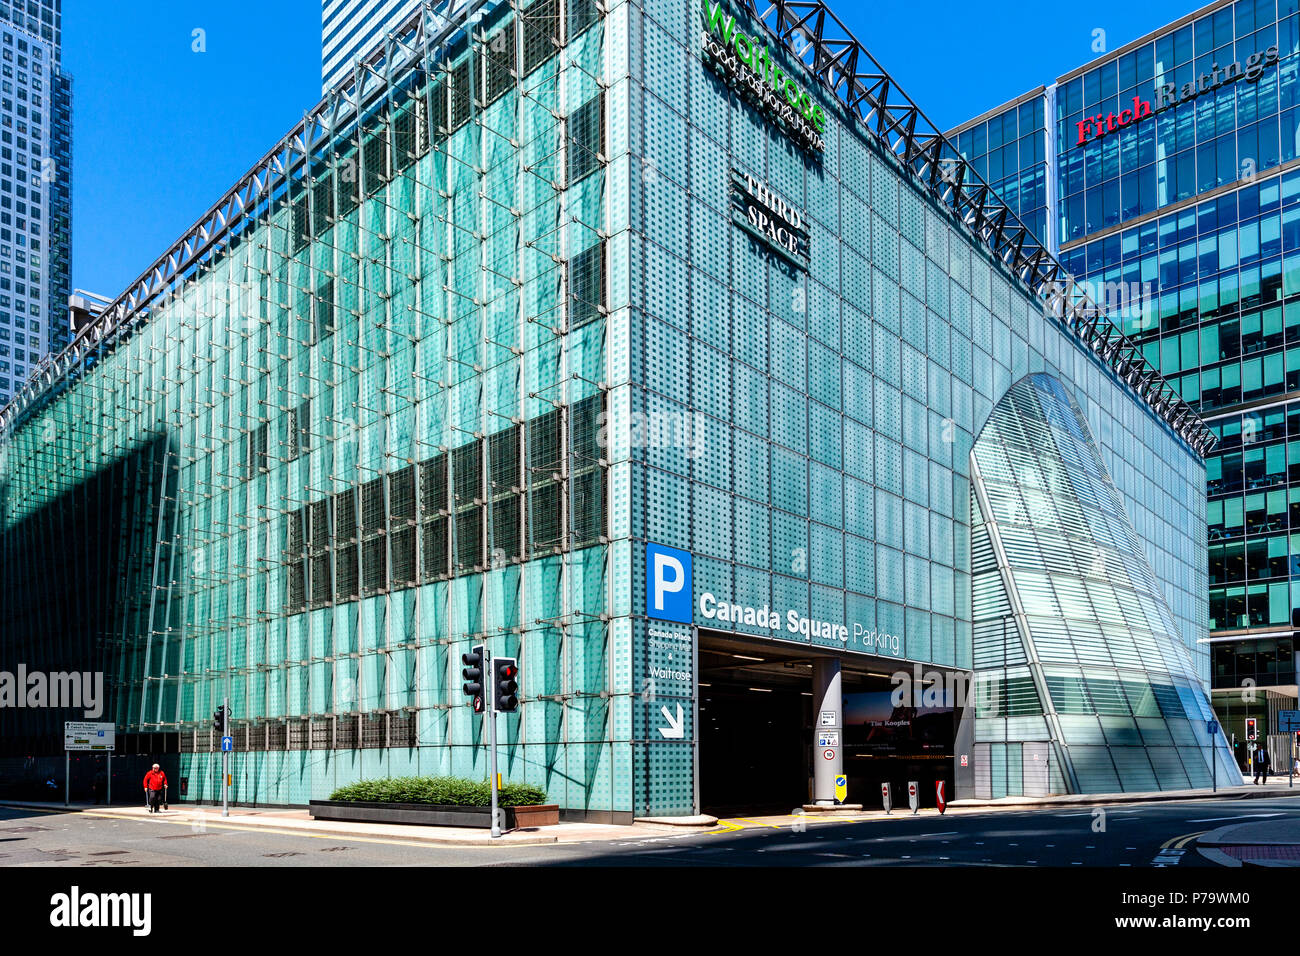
(155, 788)
(1261, 764)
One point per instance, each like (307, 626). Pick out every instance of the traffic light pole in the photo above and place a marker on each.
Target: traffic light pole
(491, 711)
(225, 758)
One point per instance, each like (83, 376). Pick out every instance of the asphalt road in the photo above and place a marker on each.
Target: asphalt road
(1137, 835)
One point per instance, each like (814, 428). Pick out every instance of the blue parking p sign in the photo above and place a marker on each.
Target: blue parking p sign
(668, 594)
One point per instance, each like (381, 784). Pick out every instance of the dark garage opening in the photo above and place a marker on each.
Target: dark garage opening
(756, 731)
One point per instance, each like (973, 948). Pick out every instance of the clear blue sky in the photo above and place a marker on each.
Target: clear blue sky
(160, 132)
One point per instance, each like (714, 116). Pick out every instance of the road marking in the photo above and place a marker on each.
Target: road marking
(1178, 841)
(336, 837)
(1244, 816)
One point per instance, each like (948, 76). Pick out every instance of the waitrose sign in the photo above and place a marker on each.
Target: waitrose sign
(746, 64)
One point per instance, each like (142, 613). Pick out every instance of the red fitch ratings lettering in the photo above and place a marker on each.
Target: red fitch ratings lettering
(1169, 94)
(1099, 125)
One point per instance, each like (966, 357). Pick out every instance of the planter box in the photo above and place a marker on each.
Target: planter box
(539, 815)
(432, 815)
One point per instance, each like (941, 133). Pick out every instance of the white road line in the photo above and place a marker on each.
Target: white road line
(1244, 816)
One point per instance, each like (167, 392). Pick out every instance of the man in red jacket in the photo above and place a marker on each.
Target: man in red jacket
(155, 788)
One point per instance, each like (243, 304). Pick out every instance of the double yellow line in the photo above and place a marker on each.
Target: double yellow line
(1178, 842)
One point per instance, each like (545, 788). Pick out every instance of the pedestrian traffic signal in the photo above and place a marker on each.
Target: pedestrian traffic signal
(1251, 724)
(472, 672)
(506, 684)
(219, 721)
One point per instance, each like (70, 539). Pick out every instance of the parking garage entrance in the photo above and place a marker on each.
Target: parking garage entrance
(758, 734)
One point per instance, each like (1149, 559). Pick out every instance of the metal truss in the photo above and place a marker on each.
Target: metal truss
(811, 32)
(424, 36)
(808, 29)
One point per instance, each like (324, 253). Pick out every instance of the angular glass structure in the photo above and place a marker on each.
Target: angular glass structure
(1166, 176)
(1075, 645)
(558, 331)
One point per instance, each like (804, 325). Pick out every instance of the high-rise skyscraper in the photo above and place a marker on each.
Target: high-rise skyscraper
(35, 188)
(350, 27)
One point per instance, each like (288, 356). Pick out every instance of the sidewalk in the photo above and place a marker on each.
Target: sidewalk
(300, 822)
(1276, 787)
(1258, 843)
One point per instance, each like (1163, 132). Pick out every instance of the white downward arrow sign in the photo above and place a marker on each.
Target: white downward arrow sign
(675, 729)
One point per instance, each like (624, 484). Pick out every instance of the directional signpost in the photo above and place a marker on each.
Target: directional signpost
(1288, 722)
(82, 735)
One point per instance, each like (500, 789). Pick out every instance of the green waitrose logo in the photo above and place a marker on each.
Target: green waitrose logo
(746, 62)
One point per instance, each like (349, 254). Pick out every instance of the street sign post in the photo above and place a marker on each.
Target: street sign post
(84, 735)
(939, 799)
(884, 797)
(1212, 726)
(225, 758)
(913, 797)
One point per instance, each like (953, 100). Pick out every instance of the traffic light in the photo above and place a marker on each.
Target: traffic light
(505, 684)
(1251, 733)
(219, 721)
(472, 672)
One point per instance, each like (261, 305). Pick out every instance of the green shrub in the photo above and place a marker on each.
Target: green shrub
(443, 791)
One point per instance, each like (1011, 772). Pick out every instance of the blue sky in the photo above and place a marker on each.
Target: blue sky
(160, 131)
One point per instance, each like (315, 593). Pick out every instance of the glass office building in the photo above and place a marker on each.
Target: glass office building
(1180, 205)
(639, 346)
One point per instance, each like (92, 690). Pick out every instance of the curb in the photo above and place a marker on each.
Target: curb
(701, 820)
(283, 827)
(507, 839)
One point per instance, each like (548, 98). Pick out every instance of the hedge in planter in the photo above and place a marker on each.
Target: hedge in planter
(439, 791)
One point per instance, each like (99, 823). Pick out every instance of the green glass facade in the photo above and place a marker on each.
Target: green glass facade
(468, 352)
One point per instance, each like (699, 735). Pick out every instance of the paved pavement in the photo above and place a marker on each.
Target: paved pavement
(1246, 790)
(1272, 842)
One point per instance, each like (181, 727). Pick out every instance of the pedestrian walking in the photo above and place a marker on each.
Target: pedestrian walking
(155, 788)
(1261, 764)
